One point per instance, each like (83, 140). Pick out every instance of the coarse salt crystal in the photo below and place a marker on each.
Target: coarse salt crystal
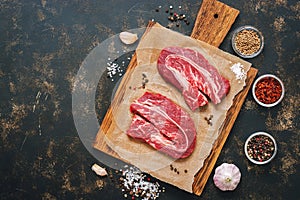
(112, 69)
(134, 181)
(238, 70)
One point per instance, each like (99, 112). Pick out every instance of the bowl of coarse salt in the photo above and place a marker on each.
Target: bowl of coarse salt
(247, 41)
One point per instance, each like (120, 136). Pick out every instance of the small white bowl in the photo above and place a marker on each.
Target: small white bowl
(254, 90)
(237, 51)
(254, 135)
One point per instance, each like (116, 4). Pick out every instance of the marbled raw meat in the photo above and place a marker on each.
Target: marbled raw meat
(163, 125)
(193, 75)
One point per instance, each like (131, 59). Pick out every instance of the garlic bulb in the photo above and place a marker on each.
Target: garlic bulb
(128, 38)
(99, 170)
(227, 176)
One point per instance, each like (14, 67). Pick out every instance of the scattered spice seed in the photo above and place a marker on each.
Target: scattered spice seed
(268, 90)
(144, 81)
(174, 16)
(247, 42)
(209, 120)
(174, 169)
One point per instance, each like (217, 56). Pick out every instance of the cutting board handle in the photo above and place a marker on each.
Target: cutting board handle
(213, 22)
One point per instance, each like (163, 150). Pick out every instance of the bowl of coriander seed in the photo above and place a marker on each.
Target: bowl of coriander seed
(247, 41)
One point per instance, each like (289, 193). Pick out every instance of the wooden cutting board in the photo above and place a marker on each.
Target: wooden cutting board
(212, 24)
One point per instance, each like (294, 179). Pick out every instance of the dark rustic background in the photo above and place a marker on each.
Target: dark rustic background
(42, 46)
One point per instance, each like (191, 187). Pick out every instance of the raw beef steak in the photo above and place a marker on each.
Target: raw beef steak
(193, 75)
(162, 124)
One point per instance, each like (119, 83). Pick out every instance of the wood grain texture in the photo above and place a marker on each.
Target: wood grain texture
(213, 36)
(213, 22)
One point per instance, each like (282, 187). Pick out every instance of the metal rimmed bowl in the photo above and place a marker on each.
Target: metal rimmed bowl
(247, 41)
(260, 148)
(266, 87)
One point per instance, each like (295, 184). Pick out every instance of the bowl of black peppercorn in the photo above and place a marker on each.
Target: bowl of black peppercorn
(260, 148)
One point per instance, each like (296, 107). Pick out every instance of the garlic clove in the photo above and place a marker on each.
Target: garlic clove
(99, 170)
(227, 177)
(128, 38)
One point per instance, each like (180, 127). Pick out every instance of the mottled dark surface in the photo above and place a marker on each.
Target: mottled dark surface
(43, 44)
